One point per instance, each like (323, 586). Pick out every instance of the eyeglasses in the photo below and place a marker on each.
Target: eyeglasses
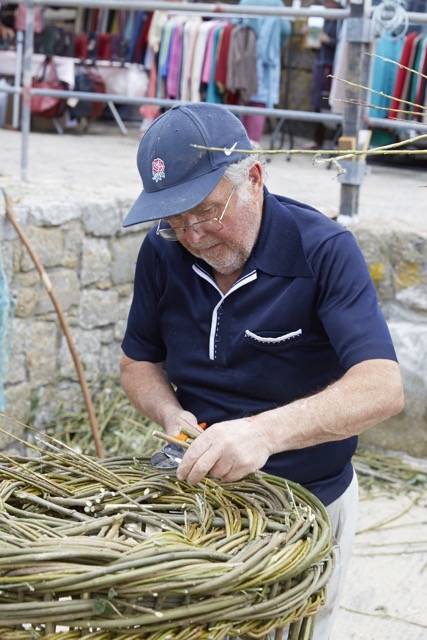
(209, 225)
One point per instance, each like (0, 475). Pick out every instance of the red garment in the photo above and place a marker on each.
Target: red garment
(104, 46)
(422, 83)
(81, 43)
(151, 111)
(401, 76)
(220, 76)
(222, 57)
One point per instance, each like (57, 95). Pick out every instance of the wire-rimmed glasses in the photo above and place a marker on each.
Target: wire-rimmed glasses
(210, 225)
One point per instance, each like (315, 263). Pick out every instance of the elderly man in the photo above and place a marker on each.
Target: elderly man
(255, 314)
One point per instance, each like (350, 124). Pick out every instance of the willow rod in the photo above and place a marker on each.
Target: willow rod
(58, 308)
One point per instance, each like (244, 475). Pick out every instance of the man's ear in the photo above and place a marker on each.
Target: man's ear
(255, 174)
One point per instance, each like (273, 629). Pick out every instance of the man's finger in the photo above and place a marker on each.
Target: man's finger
(196, 464)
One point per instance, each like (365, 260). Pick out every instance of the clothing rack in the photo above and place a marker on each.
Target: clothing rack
(352, 119)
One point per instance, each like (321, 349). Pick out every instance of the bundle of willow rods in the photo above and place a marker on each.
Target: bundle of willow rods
(116, 550)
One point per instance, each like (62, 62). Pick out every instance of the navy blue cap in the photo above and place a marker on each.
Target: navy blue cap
(177, 177)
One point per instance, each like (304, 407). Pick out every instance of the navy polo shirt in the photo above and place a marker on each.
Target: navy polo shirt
(302, 313)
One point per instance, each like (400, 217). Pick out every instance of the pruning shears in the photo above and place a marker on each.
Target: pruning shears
(170, 456)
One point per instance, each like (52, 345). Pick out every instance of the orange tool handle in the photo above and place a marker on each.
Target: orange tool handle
(183, 437)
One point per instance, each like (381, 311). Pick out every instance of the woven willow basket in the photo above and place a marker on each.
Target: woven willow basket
(115, 550)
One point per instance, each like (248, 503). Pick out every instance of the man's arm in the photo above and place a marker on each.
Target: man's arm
(147, 386)
(368, 393)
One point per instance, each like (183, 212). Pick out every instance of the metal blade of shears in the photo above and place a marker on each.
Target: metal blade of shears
(169, 457)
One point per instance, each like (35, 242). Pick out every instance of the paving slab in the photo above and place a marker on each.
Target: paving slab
(102, 164)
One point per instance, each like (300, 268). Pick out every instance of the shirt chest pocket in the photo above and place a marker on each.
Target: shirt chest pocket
(273, 340)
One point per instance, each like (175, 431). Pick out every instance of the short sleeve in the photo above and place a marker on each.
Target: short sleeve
(348, 304)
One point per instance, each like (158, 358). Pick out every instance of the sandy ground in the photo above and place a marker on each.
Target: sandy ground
(101, 164)
(385, 592)
(384, 597)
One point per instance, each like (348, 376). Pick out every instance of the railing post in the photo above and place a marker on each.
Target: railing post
(26, 86)
(358, 35)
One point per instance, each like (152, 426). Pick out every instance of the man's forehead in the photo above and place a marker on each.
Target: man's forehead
(212, 199)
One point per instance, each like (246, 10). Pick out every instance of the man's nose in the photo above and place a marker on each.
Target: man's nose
(193, 234)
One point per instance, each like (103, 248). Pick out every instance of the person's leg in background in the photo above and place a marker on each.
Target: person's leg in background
(254, 124)
(343, 514)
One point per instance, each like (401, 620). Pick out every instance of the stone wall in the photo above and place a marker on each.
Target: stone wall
(398, 264)
(90, 261)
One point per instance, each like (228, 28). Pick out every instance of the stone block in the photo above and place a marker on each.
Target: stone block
(408, 430)
(73, 243)
(97, 308)
(18, 406)
(54, 213)
(96, 263)
(41, 351)
(125, 252)
(89, 346)
(101, 218)
(27, 295)
(48, 245)
(65, 285)
(16, 371)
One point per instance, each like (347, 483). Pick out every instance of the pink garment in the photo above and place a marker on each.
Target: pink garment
(151, 111)
(20, 17)
(175, 61)
(198, 60)
(254, 124)
(208, 63)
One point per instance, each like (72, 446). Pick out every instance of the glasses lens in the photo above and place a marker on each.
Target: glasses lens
(170, 234)
(208, 226)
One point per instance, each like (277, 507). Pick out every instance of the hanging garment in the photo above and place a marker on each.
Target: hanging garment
(383, 75)
(407, 81)
(210, 55)
(156, 27)
(422, 84)
(175, 62)
(198, 60)
(162, 65)
(419, 51)
(401, 76)
(213, 92)
(220, 74)
(189, 40)
(242, 63)
(271, 35)
(322, 67)
(139, 38)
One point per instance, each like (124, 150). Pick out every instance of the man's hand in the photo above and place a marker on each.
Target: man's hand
(179, 419)
(227, 450)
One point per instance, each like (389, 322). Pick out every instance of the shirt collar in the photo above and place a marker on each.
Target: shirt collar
(279, 250)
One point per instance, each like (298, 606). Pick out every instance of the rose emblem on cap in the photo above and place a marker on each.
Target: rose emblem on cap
(158, 169)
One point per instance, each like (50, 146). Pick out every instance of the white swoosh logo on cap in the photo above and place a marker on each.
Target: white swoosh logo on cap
(228, 151)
